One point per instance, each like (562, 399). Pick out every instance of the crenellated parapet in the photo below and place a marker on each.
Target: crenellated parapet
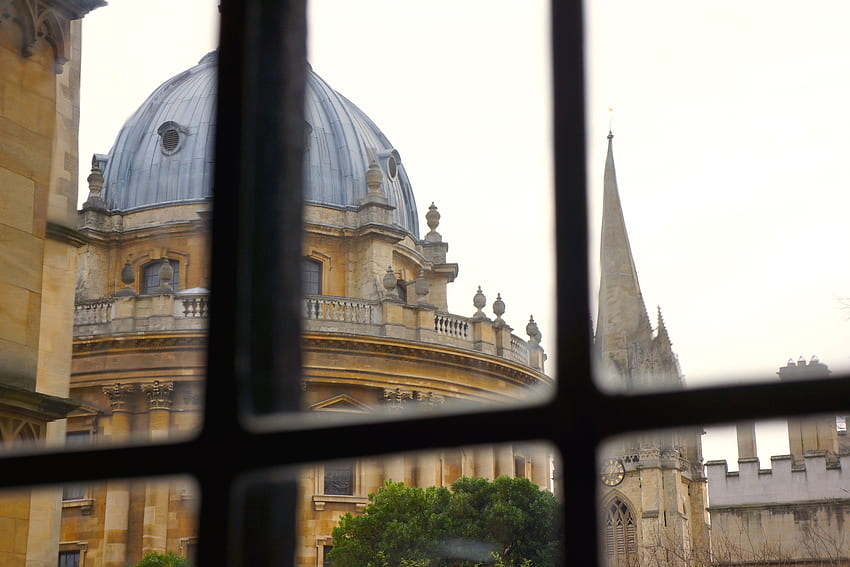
(784, 483)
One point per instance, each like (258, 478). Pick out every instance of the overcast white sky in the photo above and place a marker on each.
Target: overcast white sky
(729, 122)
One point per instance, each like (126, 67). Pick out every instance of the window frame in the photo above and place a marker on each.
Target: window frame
(308, 265)
(151, 270)
(256, 256)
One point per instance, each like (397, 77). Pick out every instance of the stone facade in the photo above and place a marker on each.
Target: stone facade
(39, 119)
(378, 336)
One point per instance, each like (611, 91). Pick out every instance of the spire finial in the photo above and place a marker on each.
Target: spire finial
(610, 121)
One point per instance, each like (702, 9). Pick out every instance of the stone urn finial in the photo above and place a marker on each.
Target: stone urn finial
(128, 276)
(422, 287)
(499, 309)
(374, 178)
(166, 272)
(95, 181)
(479, 300)
(533, 331)
(432, 217)
(390, 282)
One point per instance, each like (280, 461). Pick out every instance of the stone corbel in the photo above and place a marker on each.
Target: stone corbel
(47, 20)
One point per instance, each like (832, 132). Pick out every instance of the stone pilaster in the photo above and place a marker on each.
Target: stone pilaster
(505, 461)
(116, 517)
(155, 524)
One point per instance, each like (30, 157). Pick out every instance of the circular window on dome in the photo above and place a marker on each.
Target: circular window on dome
(392, 167)
(171, 136)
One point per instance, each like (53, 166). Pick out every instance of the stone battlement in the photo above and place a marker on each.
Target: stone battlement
(783, 483)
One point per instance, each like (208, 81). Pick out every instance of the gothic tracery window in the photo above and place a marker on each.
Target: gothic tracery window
(620, 533)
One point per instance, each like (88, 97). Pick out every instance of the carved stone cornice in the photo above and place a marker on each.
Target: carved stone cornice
(41, 407)
(140, 342)
(118, 394)
(500, 368)
(159, 394)
(48, 21)
(66, 235)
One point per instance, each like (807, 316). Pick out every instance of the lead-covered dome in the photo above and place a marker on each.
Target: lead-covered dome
(164, 154)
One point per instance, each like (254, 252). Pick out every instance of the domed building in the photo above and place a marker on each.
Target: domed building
(377, 332)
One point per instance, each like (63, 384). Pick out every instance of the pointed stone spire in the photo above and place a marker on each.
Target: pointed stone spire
(622, 320)
(662, 336)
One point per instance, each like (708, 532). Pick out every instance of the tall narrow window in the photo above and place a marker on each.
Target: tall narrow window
(620, 534)
(76, 491)
(311, 277)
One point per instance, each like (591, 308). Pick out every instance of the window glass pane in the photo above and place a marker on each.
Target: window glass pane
(764, 492)
(416, 309)
(117, 522)
(727, 125)
(432, 505)
(162, 276)
(146, 149)
(94, 194)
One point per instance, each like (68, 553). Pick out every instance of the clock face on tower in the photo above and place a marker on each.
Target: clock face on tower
(612, 472)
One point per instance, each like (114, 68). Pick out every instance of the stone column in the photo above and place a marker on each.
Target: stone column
(155, 523)
(116, 518)
(427, 469)
(505, 461)
(394, 468)
(541, 475)
(486, 462)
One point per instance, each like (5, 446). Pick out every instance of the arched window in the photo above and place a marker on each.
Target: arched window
(150, 277)
(311, 277)
(620, 534)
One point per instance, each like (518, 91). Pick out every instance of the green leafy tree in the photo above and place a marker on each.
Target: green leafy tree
(160, 560)
(508, 522)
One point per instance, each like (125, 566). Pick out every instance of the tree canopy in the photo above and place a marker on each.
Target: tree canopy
(508, 522)
(160, 560)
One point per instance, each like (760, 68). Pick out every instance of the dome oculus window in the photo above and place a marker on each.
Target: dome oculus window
(171, 136)
(392, 167)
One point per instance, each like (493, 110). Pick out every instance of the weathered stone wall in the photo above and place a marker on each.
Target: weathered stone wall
(787, 512)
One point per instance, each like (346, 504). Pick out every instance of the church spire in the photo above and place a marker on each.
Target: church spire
(622, 321)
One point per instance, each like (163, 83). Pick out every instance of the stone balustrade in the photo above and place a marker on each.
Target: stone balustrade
(346, 309)
(93, 312)
(138, 313)
(390, 318)
(452, 325)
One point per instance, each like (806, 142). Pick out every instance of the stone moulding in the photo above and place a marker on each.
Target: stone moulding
(64, 234)
(430, 352)
(86, 345)
(47, 20)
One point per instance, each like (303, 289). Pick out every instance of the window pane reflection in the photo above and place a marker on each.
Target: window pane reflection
(727, 163)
